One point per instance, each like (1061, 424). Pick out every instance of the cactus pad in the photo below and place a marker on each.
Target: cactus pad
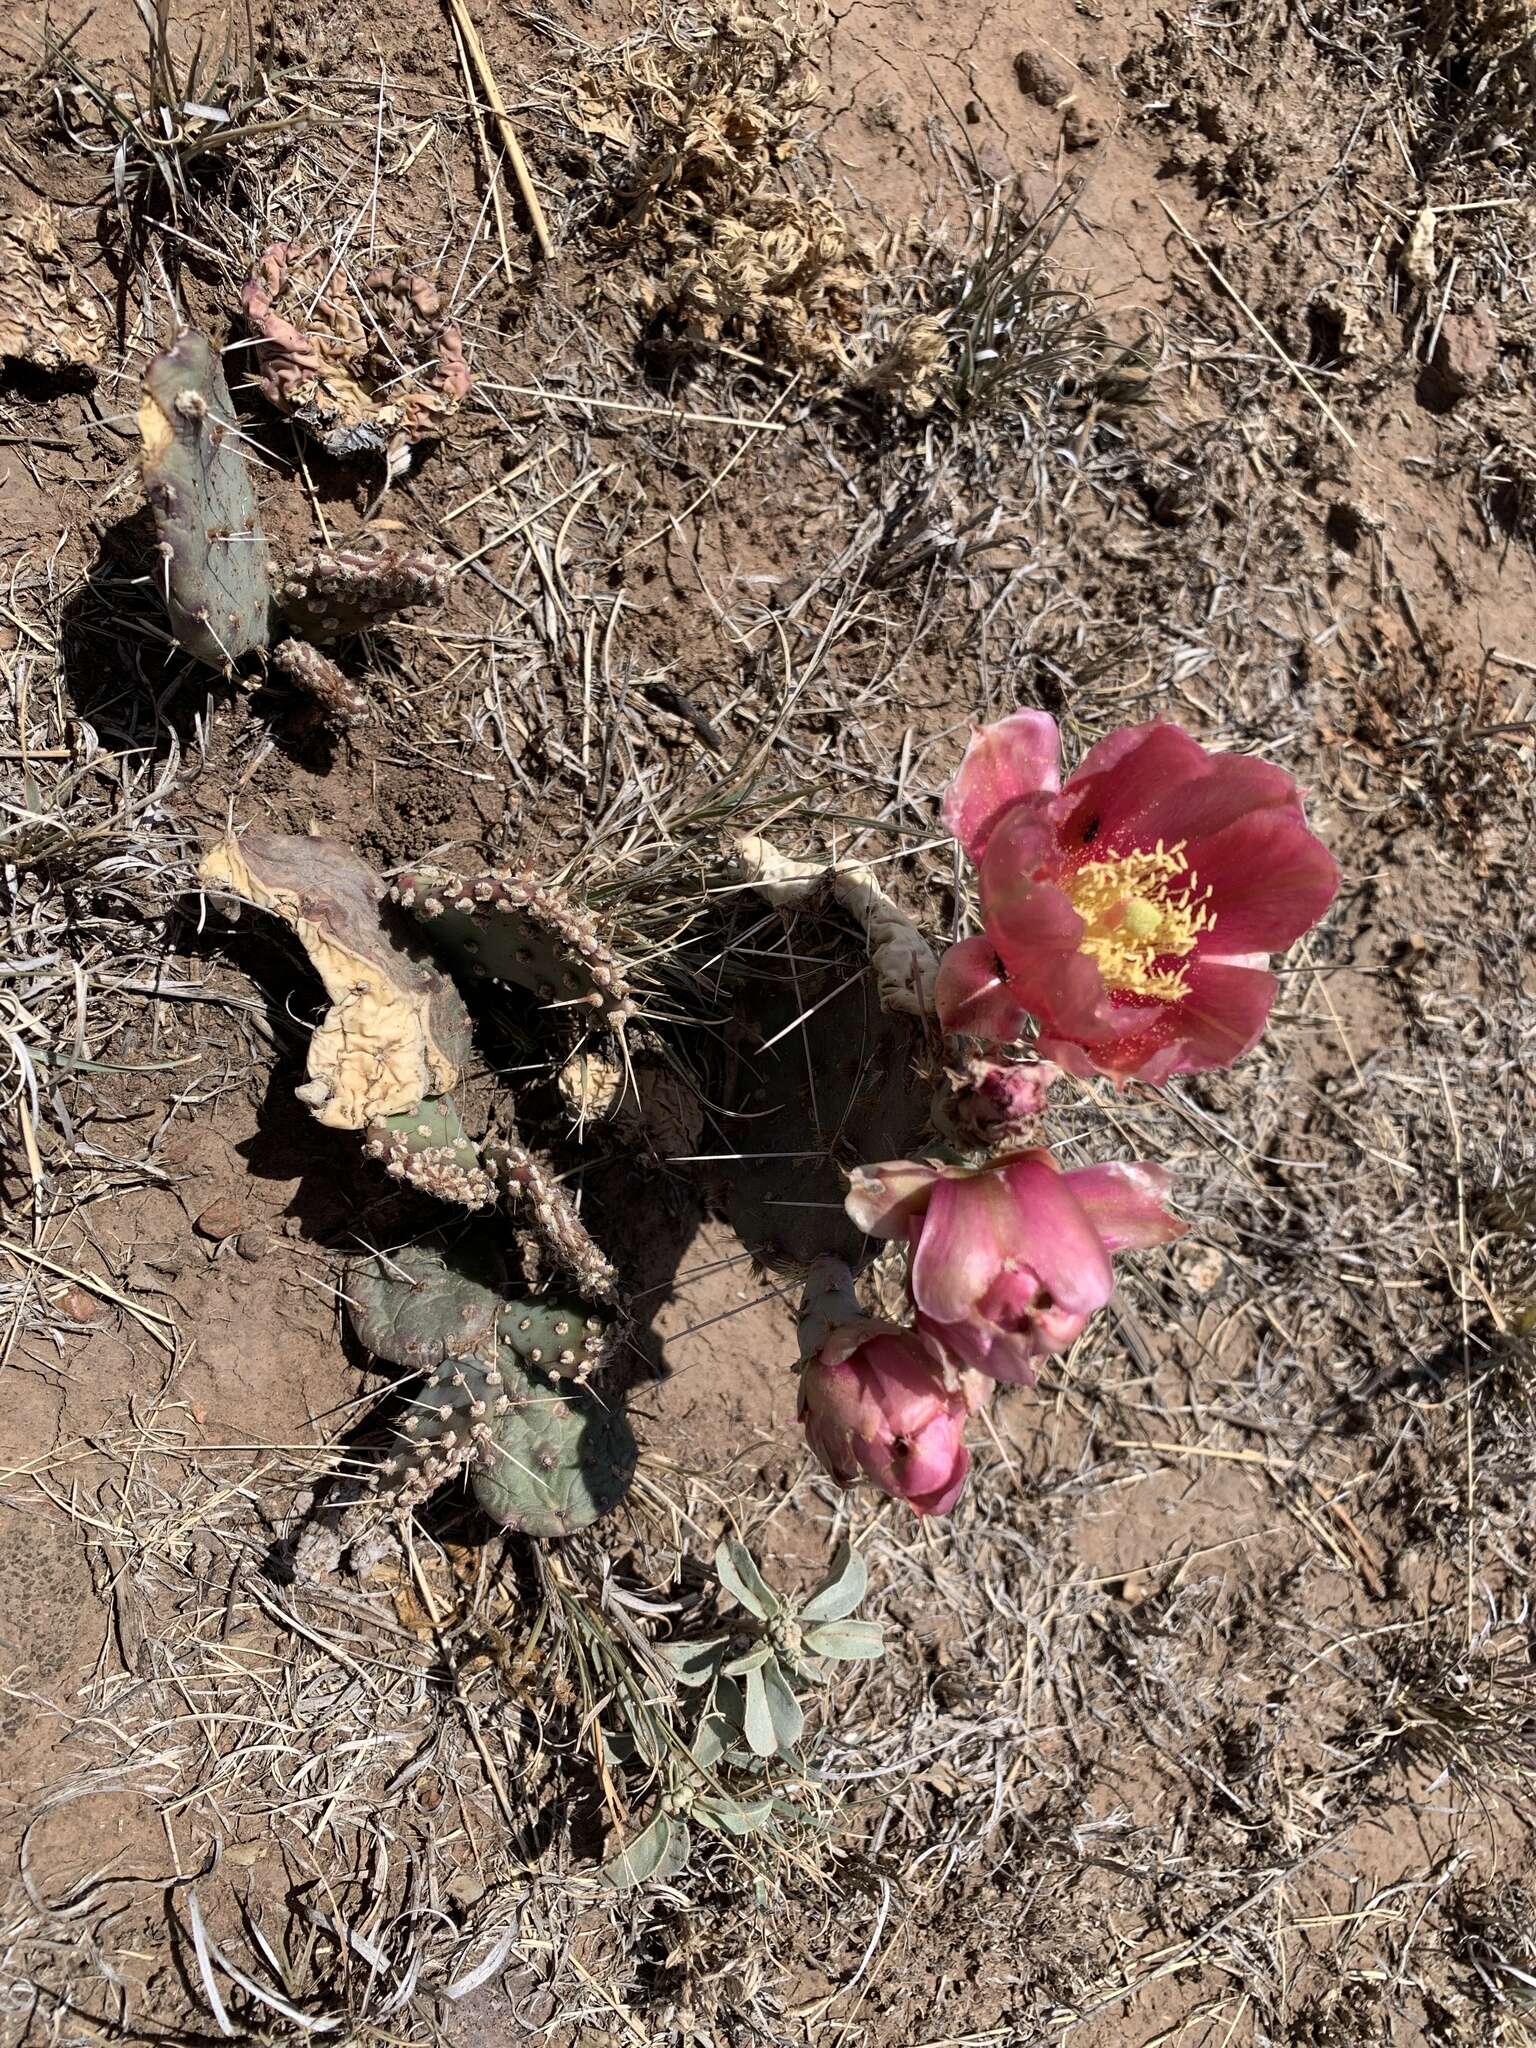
(333, 592)
(823, 1081)
(429, 1147)
(527, 1180)
(516, 929)
(198, 486)
(557, 1459)
(563, 1338)
(367, 365)
(415, 1308)
(397, 1032)
(339, 701)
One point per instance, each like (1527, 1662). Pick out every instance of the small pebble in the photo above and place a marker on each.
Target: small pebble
(76, 1306)
(218, 1221)
(253, 1244)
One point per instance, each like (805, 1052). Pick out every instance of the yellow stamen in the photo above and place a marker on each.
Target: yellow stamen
(1136, 917)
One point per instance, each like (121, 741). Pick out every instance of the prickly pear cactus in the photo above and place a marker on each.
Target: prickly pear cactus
(530, 1182)
(365, 364)
(333, 592)
(429, 1147)
(519, 930)
(416, 1307)
(822, 1080)
(557, 1458)
(340, 702)
(198, 486)
(397, 1033)
(505, 1399)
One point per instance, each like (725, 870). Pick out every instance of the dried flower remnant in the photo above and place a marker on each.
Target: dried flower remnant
(372, 365)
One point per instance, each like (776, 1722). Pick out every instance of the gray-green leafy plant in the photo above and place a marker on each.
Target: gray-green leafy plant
(742, 1719)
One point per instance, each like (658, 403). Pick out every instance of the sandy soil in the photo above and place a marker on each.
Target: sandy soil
(1208, 1718)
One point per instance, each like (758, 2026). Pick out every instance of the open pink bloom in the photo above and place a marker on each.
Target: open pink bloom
(878, 1400)
(1008, 1263)
(1132, 912)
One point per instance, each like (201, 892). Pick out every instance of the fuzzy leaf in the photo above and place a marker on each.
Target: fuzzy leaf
(729, 1705)
(749, 1661)
(845, 1639)
(678, 1850)
(841, 1590)
(655, 1854)
(731, 1817)
(692, 1663)
(738, 1574)
(708, 1744)
(783, 1708)
(757, 1721)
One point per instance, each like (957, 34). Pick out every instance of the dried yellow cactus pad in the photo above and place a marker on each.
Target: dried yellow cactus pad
(47, 316)
(397, 1031)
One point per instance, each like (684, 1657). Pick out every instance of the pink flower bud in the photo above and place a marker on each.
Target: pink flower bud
(879, 1402)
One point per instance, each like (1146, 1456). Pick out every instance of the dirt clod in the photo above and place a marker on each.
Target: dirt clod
(1042, 77)
(1467, 353)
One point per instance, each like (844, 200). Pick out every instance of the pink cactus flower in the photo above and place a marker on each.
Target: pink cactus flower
(1132, 912)
(878, 1401)
(1009, 1262)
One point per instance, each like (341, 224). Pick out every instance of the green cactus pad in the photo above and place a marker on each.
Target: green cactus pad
(563, 1338)
(530, 1183)
(333, 592)
(558, 1458)
(519, 930)
(429, 1147)
(199, 488)
(416, 1307)
(822, 1081)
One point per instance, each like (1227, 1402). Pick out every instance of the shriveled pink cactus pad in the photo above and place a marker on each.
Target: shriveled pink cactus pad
(366, 364)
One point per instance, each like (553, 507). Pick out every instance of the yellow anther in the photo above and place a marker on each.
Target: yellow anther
(1136, 917)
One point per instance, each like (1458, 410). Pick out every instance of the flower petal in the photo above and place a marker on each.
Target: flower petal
(1018, 757)
(1054, 1236)
(1021, 906)
(1122, 778)
(1222, 1017)
(943, 1498)
(1226, 788)
(973, 997)
(968, 1230)
(1270, 881)
(882, 1199)
(1008, 1356)
(1126, 1204)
